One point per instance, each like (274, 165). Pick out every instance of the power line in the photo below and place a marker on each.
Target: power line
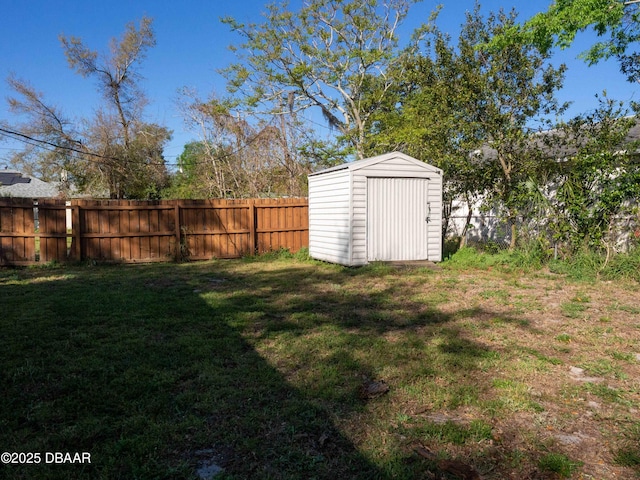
(39, 143)
(51, 144)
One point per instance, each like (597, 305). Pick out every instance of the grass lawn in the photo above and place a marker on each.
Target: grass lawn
(264, 366)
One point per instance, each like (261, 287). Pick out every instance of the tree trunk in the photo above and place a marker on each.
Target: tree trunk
(463, 239)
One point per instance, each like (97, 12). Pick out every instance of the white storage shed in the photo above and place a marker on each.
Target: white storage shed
(384, 208)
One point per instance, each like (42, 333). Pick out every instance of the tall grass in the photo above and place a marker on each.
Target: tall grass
(624, 265)
(528, 257)
(583, 265)
(588, 265)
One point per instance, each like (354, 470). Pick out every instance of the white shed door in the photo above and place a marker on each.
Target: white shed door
(397, 212)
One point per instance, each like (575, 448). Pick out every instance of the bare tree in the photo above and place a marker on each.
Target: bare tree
(234, 157)
(54, 154)
(324, 56)
(115, 150)
(116, 73)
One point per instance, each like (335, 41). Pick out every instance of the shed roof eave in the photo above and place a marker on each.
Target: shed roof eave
(377, 159)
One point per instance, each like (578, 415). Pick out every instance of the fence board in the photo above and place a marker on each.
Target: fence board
(52, 219)
(145, 231)
(17, 231)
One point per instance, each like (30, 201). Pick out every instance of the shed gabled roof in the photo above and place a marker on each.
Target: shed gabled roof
(357, 165)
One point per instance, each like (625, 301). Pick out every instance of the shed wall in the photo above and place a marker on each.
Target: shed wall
(329, 217)
(435, 224)
(394, 167)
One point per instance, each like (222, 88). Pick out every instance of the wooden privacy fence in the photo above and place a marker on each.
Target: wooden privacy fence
(146, 231)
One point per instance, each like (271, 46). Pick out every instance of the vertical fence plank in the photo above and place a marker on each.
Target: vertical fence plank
(17, 231)
(177, 237)
(52, 218)
(253, 234)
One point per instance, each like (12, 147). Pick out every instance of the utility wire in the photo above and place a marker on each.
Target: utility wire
(24, 138)
(51, 144)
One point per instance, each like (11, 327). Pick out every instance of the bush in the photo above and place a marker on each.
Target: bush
(469, 257)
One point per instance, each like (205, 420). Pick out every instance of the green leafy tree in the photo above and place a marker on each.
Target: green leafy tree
(471, 110)
(518, 90)
(184, 183)
(423, 114)
(322, 56)
(598, 178)
(616, 22)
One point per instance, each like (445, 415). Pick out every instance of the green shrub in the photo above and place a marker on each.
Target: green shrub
(629, 454)
(469, 257)
(521, 259)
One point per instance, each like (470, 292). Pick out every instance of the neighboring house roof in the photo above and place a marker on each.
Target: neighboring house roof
(550, 143)
(16, 184)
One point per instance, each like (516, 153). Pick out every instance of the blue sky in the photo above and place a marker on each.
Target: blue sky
(192, 46)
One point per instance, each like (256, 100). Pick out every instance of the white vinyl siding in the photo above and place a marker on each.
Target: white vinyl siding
(434, 228)
(329, 217)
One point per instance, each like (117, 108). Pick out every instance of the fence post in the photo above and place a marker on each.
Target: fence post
(76, 232)
(253, 235)
(176, 213)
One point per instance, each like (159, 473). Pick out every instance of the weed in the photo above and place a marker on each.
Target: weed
(628, 454)
(541, 357)
(581, 297)
(624, 265)
(628, 457)
(572, 309)
(601, 367)
(514, 396)
(498, 294)
(604, 392)
(450, 247)
(559, 464)
(626, 308)
(450, 432)
(302, 255)
(583, 266)
(468, 257)
(622, 356)
(379, 269)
